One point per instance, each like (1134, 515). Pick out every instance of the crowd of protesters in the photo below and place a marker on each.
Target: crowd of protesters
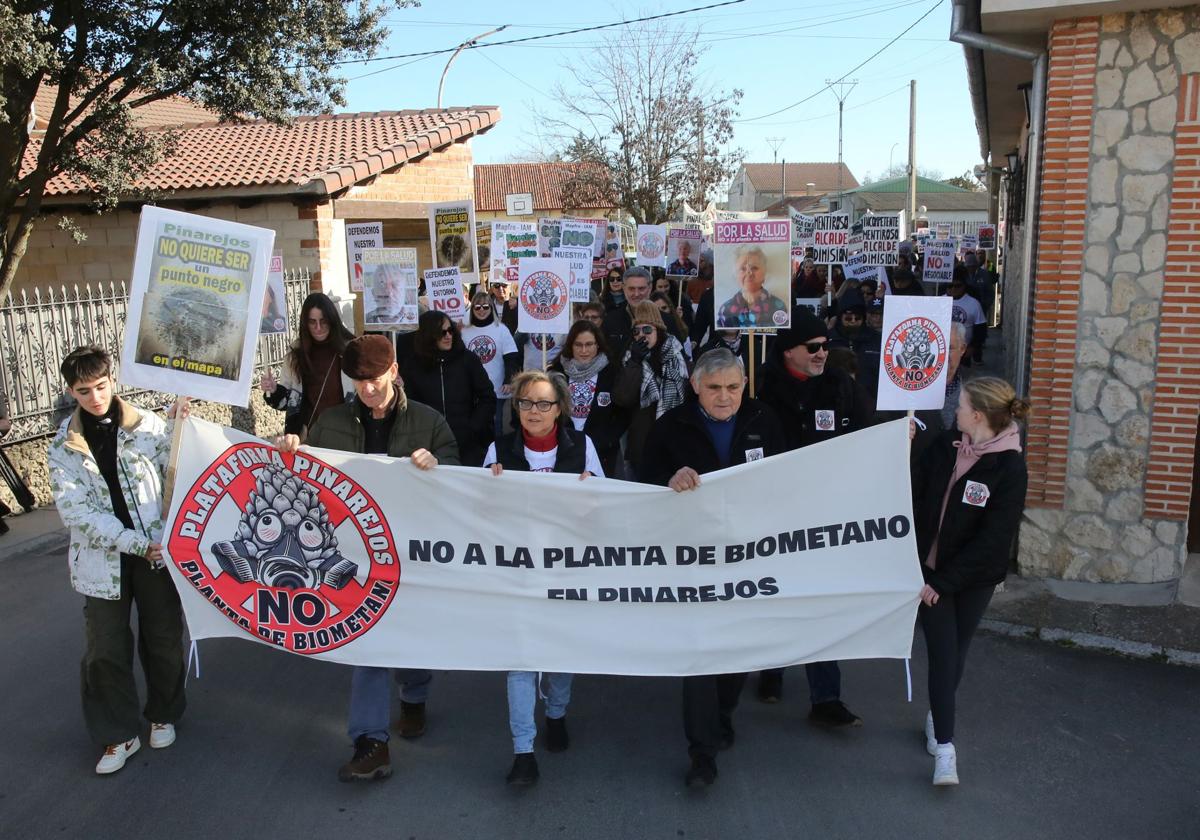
(645, 386)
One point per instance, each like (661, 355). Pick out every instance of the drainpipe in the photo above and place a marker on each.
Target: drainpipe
(966, 32)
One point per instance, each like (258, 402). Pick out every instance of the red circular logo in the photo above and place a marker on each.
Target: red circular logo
(287, 547)
(914, 354)
(484, 347)
(651, 245)
(544, 295)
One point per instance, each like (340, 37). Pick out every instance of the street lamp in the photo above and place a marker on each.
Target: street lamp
(468, 43)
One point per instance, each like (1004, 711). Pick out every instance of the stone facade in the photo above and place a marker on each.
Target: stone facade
(1101, 530)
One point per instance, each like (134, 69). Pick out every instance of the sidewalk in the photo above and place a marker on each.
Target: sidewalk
(37, 532)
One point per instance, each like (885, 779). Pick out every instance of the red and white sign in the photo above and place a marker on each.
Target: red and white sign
(938, 261)
(651, 244)
(987, 237)
(444, 289)
(916, 346)
(543, 295)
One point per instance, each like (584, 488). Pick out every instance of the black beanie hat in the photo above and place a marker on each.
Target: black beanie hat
(805, 327)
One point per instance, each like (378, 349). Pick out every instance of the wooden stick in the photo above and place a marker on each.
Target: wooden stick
(172, 465)
(543, 352)
(750, 356)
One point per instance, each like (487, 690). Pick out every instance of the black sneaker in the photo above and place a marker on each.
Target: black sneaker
(770, 686)
(556, 734)
(370, 761)
(833, 713)
(524, 771)
(702, 773)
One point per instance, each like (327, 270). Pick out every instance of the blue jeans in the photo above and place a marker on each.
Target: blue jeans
(371, 697)
(523, 690)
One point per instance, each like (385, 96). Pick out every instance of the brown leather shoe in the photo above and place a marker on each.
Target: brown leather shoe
(370, 761)
(412, 720)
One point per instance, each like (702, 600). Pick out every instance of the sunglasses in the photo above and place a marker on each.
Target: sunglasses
(448, 331)
(541, 405)
(644, 329)
(815, 347)
(482, 307)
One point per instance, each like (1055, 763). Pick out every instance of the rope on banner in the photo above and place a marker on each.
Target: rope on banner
(908, 679)
(193, 656)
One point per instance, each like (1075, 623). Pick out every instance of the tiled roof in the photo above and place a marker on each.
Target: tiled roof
(319, 154)
(900, 185)
(765, 176)
(171, 112)
(801, 204)
(544, 180)
(933, 201)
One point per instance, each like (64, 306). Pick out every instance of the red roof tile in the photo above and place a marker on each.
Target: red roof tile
(544, 180)
(765, 176)
(321, 154)
(171, 112)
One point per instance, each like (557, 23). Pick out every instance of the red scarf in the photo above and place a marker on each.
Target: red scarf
(541, 444)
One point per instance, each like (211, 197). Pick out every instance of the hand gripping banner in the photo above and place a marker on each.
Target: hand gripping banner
(367, 560)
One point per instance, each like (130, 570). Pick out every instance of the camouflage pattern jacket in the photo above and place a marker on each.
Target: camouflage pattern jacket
(98, 537)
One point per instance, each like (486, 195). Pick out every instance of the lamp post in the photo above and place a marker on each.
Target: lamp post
(468, 43)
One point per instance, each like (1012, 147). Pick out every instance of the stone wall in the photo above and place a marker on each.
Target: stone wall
(1102, 533)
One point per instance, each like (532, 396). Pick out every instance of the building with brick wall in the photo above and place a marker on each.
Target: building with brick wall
(1101, 187)
(549, 187)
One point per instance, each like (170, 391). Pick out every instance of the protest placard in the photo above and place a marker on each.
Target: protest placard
(683, 251)
(510, 242)
(916, 344)
(389, 287)
(483, 249)
(750, 261)
(803, 228)
(194, 305)
(813, 305)
(543, 295)
(831, 236)
(274, 310)
(360, 235)
(549, 236)
(857, 267)
(580, 261)
(444, 289)
(452, 237)
(968, 242)
(881, 235)
(987, 237)
(651, 245)
(613, 249)
(942, 230)
(939, 262)
(579, 233)
(855, 243)
(636, 580)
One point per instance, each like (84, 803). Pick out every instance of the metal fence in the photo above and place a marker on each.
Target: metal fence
(38, 328)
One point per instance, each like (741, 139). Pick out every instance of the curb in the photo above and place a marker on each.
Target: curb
(1092, 641)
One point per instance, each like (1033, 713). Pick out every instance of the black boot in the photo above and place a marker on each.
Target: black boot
(524, 770)
(702, 773)
(556, 734)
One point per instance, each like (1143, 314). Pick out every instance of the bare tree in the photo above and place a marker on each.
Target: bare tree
(655, 135)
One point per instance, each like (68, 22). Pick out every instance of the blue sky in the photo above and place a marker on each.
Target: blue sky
(777, 52)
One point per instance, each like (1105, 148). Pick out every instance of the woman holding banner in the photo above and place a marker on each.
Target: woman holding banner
(443, 375)
(968, 495)
(590, 380)
(545, 442)
(653, 377)
(311, 381)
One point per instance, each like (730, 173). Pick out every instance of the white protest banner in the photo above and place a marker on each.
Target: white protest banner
(831, 236)
(750, 270)
(938, 261)
(389, 287)
(452, 237)
(194, 303)
(987, 237)
(543, 295)
(360, 235)
(366, 560)
(968, 242)
(858, 268)
(501, 256)
(651, 245)
(683, 251)
(274, 308)
(942, 230)
(882, 233)
(738, 215)
(580, 233)
(517, 246)
(549, 236)
(916, 342)
(444, 288)
(580, 261)
(803, 228)
(855, 243)
(813, 305)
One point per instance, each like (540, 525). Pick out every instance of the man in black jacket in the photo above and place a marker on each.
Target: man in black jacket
(814, 404)
(618, 323)
(718, 429)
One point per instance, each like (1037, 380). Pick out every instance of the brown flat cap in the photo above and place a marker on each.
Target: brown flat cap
(368, 356)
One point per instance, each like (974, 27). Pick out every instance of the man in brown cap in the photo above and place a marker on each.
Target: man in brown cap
(381, 420)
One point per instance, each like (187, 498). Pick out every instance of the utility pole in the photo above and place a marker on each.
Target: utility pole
(470, 42)
(912, 154)
(844, 87)
(775, 143)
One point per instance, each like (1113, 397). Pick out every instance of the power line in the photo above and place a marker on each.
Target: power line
(828, 86)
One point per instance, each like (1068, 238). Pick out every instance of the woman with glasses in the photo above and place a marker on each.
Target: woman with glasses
(443, 375)
(613, 296)
(494, 346)
(545, 442)
(590, 380)
(653, 377)
(312, 379)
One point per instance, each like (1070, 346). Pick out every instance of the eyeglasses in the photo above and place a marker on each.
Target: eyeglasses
(815, 347)
(317, 322)
(644, 329)
(541, 405)
(584, 345)
(482, 307)
(448, 331)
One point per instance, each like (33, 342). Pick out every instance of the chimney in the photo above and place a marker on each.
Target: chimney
(809, 187)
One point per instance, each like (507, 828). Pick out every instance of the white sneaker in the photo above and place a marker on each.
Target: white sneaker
(945, 765)
(930, 737)
(161, 735)
(115, 756)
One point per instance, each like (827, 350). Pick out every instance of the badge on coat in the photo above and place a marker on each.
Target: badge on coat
(976, 494)
(755, 454)
(603, 399)
(825, 420)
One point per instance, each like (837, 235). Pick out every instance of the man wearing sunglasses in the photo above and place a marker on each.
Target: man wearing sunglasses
(814, 404)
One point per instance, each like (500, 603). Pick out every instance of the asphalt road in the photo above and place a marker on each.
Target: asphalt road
(1052, 743)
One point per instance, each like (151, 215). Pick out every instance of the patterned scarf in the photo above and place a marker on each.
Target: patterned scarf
(577, 371)
(669, 388)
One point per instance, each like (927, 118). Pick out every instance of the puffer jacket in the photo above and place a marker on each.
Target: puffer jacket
(98, 537)
(417, 426)
(456, 385)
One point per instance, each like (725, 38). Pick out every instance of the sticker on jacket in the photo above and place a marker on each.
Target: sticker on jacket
(603, 399)
(825, 421)
(755, 454)
(976, 494)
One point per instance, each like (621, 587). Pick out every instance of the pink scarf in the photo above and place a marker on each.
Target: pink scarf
(968, 455)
